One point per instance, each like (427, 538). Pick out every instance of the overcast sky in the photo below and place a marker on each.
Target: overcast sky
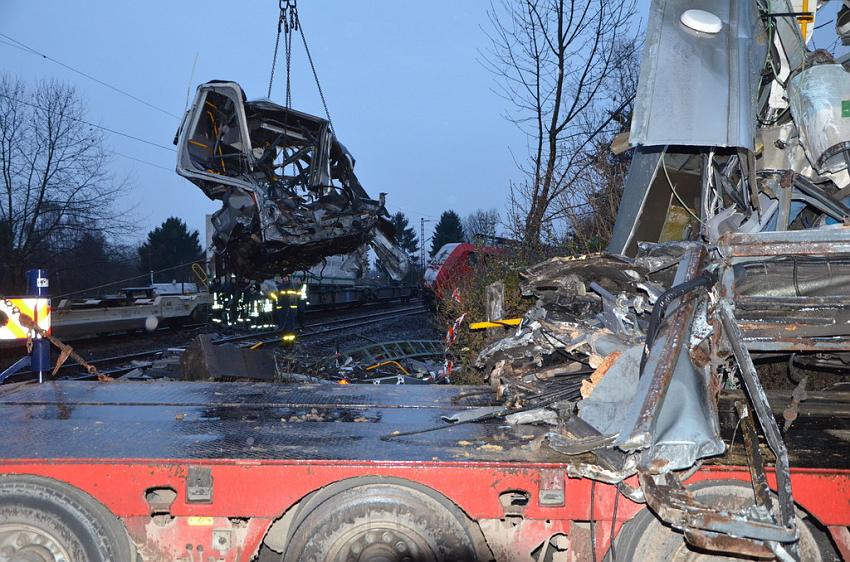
(405, 90)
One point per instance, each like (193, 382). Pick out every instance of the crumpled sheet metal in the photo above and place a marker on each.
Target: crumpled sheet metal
(661, 422)
(763, 268)
(687, 427)
(672, 414)
(603, 409)
(698, 89)
(287, 186)
(565, 318)
(646, 161)
(528, 343)
(669, 412)
(676, 506)
(795, 274)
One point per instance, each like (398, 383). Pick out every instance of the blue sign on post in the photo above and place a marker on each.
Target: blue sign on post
(39, 286)
(36, 307)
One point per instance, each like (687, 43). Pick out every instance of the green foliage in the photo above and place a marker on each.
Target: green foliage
(489, 268)
(449, 229)
(167, 246)
(405, 236)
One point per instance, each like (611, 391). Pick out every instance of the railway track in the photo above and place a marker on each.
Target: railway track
(312, 330)
(88, 343)
(321, 328)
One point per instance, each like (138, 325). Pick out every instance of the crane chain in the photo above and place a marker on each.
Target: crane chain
(289, 22)
(286, 23)
(316, 78)
(274, 62)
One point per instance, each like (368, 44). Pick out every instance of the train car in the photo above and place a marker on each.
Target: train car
(133, 309)
(449, 266)
(338, 282)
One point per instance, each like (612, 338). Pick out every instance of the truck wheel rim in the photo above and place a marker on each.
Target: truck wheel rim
(381, 543)
(26, 543)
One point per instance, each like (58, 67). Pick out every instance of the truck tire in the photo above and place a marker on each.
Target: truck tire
(381, 521)
(647, 539)
(42, 520)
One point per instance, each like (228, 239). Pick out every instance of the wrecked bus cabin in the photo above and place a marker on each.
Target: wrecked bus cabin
(731, 242)
(287, 186)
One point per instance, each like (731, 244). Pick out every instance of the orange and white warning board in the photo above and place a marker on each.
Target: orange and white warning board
(13, 308)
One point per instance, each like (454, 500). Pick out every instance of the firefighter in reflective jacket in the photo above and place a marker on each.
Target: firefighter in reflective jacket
(290, 298)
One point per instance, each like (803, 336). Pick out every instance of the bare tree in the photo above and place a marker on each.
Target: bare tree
(589, 207)
(480, 224)
(552, 59)
(55, 183)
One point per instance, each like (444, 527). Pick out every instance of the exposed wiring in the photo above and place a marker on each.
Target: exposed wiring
(614, 525)
(705, 279)
(385, 363)
(824, 24)
(673, 189)
(712, 197)
(592, 521)
(734, 434)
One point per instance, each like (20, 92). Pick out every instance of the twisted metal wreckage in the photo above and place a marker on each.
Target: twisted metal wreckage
(287, 186)
(732, 239)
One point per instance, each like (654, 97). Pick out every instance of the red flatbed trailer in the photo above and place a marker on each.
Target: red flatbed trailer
(205, 472)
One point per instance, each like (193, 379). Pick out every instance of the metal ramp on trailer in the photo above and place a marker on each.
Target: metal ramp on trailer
(397, 350)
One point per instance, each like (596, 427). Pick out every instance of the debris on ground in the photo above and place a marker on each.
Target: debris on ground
(731, 241)
(393, 362)
(206, 361)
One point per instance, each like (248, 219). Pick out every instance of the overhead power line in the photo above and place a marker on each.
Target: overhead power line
(121, 281)
(149, 163)
(89, 123)
(27, 49)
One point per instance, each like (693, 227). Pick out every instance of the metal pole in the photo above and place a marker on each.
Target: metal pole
(422, 222)
(38, 286)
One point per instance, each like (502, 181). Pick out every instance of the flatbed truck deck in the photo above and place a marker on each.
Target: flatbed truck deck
(221, 472)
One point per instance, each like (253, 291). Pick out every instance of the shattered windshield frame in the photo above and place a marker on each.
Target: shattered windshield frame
(289, 193)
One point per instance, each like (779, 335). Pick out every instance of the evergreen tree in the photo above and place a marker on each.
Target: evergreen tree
(449, 229)
(169, 245)
(405, 236)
